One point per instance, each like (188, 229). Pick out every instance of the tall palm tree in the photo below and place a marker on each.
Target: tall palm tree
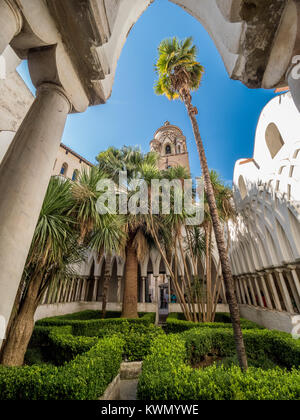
(137, 165)
(179, 73)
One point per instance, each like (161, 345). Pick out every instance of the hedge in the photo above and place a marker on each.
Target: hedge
(84, 378)
(261, 345)
(175, 323)
(58, 345)
(92, 327)
(167, 376)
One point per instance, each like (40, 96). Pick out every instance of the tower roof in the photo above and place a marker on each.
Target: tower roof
(168, 127)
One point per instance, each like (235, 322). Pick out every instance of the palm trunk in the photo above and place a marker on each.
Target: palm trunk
(107, 278)
(129, 309)
(226, 269)
(22, 327)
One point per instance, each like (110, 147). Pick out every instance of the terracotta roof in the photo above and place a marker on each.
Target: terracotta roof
(76, 154)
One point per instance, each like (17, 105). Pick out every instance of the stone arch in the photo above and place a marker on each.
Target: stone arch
(295, 229)
(285, 245)
(274, 139)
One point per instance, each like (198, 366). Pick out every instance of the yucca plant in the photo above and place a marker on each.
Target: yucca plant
(54, 250)
(179, 74)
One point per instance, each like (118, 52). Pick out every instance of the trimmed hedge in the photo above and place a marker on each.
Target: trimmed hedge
(175, 324)
(166, 376)
(261, 345)
(92, 327)
(84, 378)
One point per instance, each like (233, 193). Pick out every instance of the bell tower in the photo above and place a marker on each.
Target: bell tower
(170, 143)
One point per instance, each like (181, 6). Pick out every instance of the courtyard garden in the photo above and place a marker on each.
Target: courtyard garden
(77, 356)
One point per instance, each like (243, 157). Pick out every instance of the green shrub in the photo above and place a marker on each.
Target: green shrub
(166, 376)
(84, 378)
(261, 346)
(93, 327)
(138, 342)
(177, 324)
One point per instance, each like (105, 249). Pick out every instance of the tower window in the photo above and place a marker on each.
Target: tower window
(75, 175)
(64, 169)
(168, 150)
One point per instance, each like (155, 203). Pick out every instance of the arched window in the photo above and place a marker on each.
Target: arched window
(64, 169)
(242, 187)
(75, 175)
(273, 139)
(168, 150)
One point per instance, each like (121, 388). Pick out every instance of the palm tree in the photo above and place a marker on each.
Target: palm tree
(104, 234)
(137, 165)
(54, 250)
(179, 73)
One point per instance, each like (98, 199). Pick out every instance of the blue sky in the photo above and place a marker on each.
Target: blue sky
(228, 111)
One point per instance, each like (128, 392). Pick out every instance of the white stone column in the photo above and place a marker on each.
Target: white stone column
(95, 290)
(83, 290)
(246, 291)
(257, 288)
(266, 292)
(274, 292)
(10, 23)
(249, 281)
(155, 297)
(119, 289)
(296, 296)
(241, 285)
(143, 289)
(169, 288)
(24, 177)
(296, 280)
(285, 293)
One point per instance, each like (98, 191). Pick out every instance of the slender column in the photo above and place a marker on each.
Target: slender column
(285, 293)
(155, 297)
(119, 289)
(240, 282)
(143, 289)
(266, 292)
(10, 23)
(257, 288)
(25, 172)
(296, 280)
(293, 289)
(274, 292)
(169, 289)
(246, 290)
(70, 291)
(251, 290)
(96, 283)
(83, 290)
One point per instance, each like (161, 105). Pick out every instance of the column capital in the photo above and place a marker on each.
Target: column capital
(16, 12)
(52, 87)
